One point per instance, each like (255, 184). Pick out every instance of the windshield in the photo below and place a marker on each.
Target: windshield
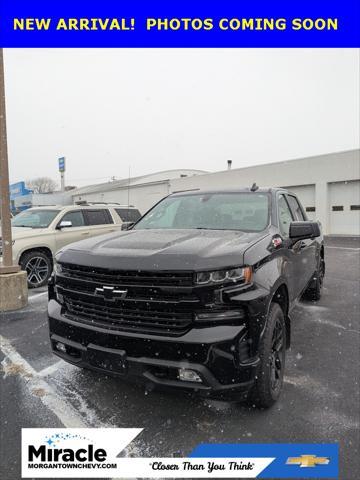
(34, 218)
(216, 211)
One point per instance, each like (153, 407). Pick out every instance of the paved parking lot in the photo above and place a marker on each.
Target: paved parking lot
(320, 402)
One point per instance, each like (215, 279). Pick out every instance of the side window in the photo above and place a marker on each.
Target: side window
(76, 218)
(285, 216)
(128, 214)
(295, 207)
(99, 216)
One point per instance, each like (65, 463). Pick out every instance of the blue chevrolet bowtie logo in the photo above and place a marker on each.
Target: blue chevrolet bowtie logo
(110, 294)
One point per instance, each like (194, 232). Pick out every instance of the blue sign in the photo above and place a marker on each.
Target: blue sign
(291, 460)
(180, 23)
(62, 164)
(18, 190)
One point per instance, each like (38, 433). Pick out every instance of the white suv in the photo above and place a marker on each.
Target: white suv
(38, 233)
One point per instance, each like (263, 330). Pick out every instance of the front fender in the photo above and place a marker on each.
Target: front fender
(256, 300)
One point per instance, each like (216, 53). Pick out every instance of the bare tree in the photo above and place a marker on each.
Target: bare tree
(42, 185)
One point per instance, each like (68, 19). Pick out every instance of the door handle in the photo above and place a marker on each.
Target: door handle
(85, 233)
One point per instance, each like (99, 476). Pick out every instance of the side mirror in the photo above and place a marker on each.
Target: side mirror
(127, 225)
(304, 230)
(64, 224)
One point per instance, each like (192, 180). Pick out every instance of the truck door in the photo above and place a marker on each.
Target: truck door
(308, 246)
(294, 268)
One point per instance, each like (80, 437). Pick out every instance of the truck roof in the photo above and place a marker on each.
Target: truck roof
(201, 191)
(86, 206)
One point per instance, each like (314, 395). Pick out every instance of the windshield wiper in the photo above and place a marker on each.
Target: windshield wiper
(29, 226)
(222, 229)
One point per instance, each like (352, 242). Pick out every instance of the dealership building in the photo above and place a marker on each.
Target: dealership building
(22, 198)
(327, 185)
(142, 192)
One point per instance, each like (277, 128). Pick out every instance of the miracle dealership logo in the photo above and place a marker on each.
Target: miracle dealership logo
(71, 452)
(50, 451)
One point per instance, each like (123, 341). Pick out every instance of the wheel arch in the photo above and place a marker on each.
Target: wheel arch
(281, 297)
(44, 249)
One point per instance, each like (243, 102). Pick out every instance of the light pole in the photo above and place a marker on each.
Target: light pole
(13, 282)
(7, 263)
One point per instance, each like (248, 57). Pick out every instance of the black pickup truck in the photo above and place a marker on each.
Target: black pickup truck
(196, 295)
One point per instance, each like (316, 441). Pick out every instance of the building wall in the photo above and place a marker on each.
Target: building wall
(344, 211)
(56, 198)
(318, 181)
(310, 178)
(141, 196)
(143, 191)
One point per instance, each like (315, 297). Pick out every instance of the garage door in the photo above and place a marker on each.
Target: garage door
(344, 200)
(306, 195)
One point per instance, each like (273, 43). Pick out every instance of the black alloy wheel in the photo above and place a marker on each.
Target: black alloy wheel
(270, 375)
(276, 356)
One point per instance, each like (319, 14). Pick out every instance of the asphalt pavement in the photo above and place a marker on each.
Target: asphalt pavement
(320, 401)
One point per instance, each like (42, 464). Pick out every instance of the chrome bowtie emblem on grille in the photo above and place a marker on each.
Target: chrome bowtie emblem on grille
(110, 293)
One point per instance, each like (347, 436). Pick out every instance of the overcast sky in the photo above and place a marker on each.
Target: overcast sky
(106, 110)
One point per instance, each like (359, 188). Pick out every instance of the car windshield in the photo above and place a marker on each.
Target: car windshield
(34, 218)
(243, 211)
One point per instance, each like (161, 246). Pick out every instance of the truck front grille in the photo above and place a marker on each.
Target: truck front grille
(150, 306)
(150, 321)
(132, 277)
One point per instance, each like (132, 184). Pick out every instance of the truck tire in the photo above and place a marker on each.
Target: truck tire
(38, 267)
(313, 290)
(270, 375)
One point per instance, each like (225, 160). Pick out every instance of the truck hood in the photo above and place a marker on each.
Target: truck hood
(162, 249)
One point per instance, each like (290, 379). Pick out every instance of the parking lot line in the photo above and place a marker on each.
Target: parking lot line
(37, 295)
(14, 363)
(50, 369)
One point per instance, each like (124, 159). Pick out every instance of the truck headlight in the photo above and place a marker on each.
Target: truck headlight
(237, 274)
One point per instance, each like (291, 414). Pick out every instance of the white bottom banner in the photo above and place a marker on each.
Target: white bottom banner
(98, 453)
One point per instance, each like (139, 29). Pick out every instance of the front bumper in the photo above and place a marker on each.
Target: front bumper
(214, 353)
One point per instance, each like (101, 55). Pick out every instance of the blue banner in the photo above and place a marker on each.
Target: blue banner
(179, 23)
(292, 460)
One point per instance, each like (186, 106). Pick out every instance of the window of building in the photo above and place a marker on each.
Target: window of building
(310, 209)
(337, 208)
(354, 207)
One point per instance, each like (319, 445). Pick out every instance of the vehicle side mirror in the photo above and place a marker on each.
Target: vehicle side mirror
(127, 225)
(304, 230)
(64, 224)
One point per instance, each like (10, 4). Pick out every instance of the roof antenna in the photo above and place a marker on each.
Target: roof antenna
(254, 187)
